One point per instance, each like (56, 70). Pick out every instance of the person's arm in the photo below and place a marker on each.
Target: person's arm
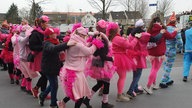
(156, 38)
(179, 41)
(55, 48)
(125, 43)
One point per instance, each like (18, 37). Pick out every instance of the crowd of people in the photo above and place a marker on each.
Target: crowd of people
(35, 51)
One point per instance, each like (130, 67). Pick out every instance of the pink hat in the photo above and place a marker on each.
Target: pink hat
(111, 26)
(49, 31)
(75, 26)
(45, 18)
(102, 23)
(172, 17)
(82, 30)
(57, 31)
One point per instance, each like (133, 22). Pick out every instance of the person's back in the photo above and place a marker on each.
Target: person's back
(188, 35)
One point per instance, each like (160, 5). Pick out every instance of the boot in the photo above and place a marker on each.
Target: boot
(122, 98)
(106, 105)
(86, 102)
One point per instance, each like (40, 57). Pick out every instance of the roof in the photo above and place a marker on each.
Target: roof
(56, 15)
(69, 13)
(118, 15)
(99, 15)
(133, 14)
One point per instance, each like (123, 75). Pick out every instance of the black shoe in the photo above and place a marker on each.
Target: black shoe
(107, 105)
(170, 83)
(138, 91)
(4, 69)
(86, 102)
(12, 81)
(161, 85)
(17, 82)
(130, 95)
(23, 89)
(185, 79)
(41, 100)
(29, 92)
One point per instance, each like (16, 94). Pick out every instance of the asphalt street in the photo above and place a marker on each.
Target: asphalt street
(179, 95)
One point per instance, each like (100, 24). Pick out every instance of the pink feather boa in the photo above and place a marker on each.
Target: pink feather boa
(69, 80)
(98, 43)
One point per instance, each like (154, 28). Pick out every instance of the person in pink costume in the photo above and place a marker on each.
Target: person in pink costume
(140, 53)
(122, 60)
(72, 74)
(100, 67)
(157, 53)
(67, 36)
(36, 46)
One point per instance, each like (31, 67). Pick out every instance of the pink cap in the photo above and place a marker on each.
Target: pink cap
(102, 23)
(82, 30)
(45, 18)
(57, 31)
(49, 31)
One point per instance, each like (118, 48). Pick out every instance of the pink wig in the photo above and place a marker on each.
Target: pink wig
(110, 27)
(75, 26)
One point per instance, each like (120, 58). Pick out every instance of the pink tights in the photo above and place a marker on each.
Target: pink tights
(156, 64)
(121, 80)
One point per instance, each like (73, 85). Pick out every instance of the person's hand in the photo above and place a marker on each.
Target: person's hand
(96, 32)
(138, 35)
(71, 43)
(162, 31)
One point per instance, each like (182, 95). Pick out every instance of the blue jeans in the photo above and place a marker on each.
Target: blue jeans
(136, 77)
(53, 87)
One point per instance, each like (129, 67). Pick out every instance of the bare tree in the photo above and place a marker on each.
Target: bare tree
(165, 6)
(102, 5)
(127, 4)
(24, 13)
(143, 8)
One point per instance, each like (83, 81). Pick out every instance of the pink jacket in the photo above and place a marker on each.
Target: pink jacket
(120, 44)
(76, 56)
(140, 50)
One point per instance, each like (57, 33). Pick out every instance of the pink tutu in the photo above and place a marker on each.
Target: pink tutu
(124, 62)
(36, 65)
(105, 72)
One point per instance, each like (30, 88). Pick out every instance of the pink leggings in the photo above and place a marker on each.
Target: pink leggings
(121, 80)
(156, 64)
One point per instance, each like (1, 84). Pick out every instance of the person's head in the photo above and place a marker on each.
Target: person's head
(82, 32)
(112, 30)
(155, 20)
(5, 24)
(51, 32)
(42, 22)
(75, 26)
(139, 23)
(172, 19)
(24, 22)
(101, 26)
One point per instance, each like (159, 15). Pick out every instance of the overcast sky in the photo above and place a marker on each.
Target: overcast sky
(76, 5)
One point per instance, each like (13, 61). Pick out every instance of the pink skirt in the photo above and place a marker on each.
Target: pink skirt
(105, 73)
(124, 62)
(36, 65)
(74, 84)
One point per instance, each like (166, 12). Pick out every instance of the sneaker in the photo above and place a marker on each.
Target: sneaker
(154, 87)
(106, 105)
(148, 90)
(41, 100)
(122, 98)
(185, 79)
(60, 104)
(162, 85)
(130, 95)
(138, 91)
(35, 92)
(170, 83)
